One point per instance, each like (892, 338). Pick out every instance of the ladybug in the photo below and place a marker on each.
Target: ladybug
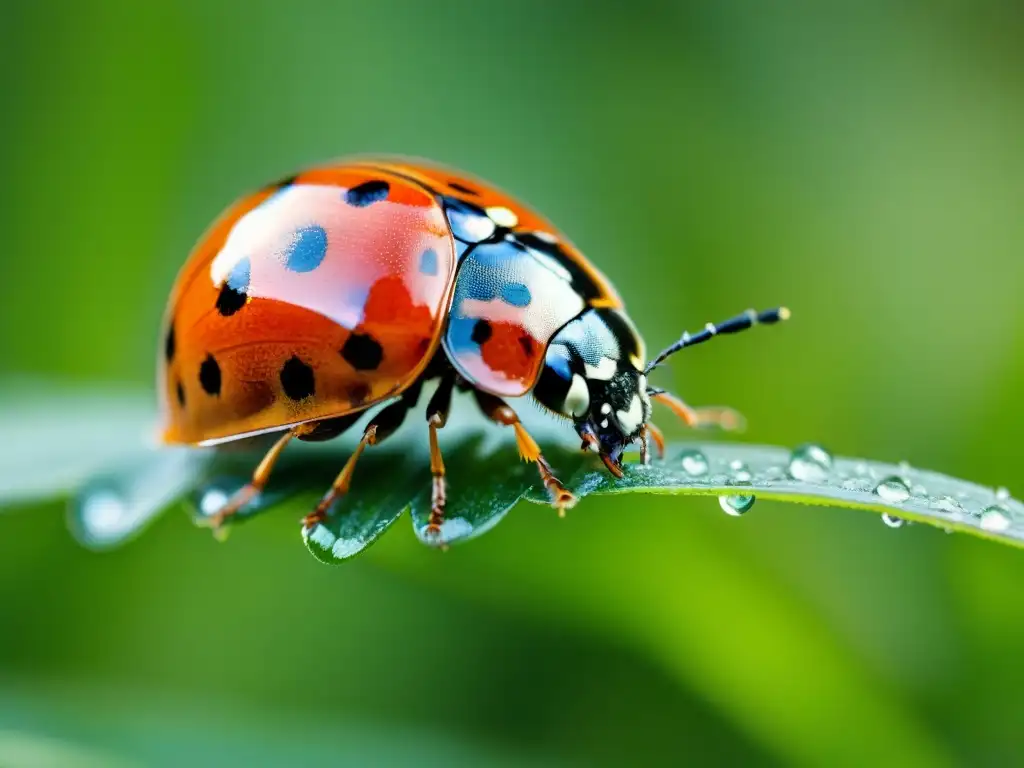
(352, 284)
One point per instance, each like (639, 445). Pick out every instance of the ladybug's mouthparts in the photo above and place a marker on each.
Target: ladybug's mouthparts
(611, 456)
(614, 467)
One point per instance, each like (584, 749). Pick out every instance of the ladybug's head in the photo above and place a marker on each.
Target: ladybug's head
(594, 374)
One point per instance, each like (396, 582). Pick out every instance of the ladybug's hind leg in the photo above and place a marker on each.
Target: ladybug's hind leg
(381, 426)
(248, 492)
(498, 411)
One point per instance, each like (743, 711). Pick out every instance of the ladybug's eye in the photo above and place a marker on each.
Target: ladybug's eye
(559, 387)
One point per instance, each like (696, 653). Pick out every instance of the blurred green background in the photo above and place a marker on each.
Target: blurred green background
(861, 162)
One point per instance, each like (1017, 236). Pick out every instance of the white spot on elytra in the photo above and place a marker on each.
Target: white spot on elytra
(604, 424)
(606, 408)
(602, 371)
(577, 401)
(631, 420)
(502, 216)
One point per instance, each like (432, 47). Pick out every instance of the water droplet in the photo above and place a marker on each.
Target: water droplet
(112, 507)
(740, 471)
(892, 521)
(736, 504)
(862, 469)
(695, 463)
(919, 490)
(946, 504)
(994, 519)
(861, 484)
(892, 490)
(810, 463)
(904, 467)
(1002, 495)
(210, 498)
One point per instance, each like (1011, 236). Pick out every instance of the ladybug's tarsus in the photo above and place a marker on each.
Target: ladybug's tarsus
(498, 411)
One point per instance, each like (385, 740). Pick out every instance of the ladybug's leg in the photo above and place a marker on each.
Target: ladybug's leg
(437, 417)
(381, 426)
(260, 476)
(697, 418)
(498, 411)
(650, 432)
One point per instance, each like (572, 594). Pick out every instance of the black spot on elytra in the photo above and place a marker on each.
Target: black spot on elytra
(181, 394)
(234, 292)
(367, 193)
(481, 332)
(169, 344)
(463, 189)
(527, 344)
(297, 379)
(359, 394)
(209, 376)
(362, 352)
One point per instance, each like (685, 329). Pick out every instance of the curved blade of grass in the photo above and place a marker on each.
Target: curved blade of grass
(92, 444)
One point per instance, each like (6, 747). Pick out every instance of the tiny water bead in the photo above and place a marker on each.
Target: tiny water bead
(892, 521)
(1002, 495)
(112, 507)
(947, 504)
(736, 504)
(810, 463)
(740, 472)
(893, 490)
(994, 519)
(695, 463)
(210, 498)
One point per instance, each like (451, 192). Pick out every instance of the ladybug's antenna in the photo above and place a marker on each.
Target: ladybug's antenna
(748, 319)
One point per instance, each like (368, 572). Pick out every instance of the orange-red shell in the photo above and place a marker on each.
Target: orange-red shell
(329, 292)
(305, 302)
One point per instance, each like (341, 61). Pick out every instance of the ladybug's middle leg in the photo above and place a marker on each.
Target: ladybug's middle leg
(437, 417)
(381, 426)
(498, 411)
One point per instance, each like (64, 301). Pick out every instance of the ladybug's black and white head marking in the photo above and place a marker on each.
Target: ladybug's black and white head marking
(593, 374)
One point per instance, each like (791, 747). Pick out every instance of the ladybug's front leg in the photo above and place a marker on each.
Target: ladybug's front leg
(498, 411)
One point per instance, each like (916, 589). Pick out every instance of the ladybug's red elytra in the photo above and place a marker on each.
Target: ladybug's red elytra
(354, 283)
